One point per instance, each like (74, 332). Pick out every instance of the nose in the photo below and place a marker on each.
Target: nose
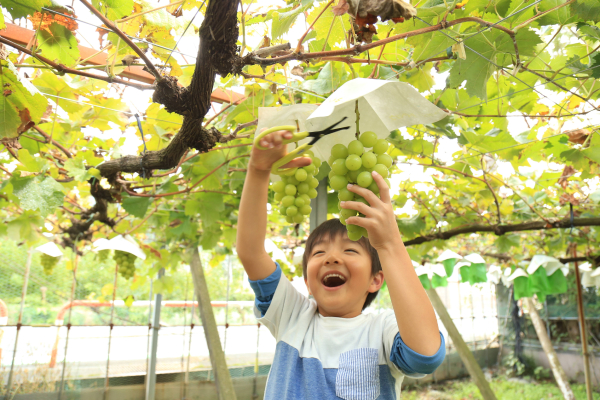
(332, 258)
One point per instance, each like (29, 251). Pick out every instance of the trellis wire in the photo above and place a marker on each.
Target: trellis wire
(23, 295)
(112, 312)
(227, 303)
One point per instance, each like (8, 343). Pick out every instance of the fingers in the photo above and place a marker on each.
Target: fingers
(358, 221)
(298, 162)
(365, 193)
(275, 139)
(384, 190)
(358, 206)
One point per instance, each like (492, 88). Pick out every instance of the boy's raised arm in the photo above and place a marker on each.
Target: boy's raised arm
(252, 218)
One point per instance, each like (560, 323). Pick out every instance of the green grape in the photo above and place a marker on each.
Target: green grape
(342, 220)
(387, 181)
(354, 174)
(373, 187)
(301, 175)
(331, 174)
(298, 218)
(312, 193)
(282, 210)
(279, 196)
(290, 189)
(279, 186)
(353, 162)
(345, 195)
(303, 188)
(331, 160)
(291, 180)
(289, 220)
(339, 151)
(310, 169)
(347, 213)
(287, 201)
(354, 236)
(339, 167)
(126, 263)
(305, 197)
(356, 147)
(48, 263)
(368, 139)
(291, 211)
(313, 182)
(381, 146)
(338, 182)
(305, 209)
(361, 199)
(385, 159)
(381, 170)
(364, 179)
(317, 162)
(369, 159)
(349, 176)
(309, 153)
(102, 255)
(364, 232)
(290, 172)
(299, 202)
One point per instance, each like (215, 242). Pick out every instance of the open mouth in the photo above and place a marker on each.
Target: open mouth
(333, 280)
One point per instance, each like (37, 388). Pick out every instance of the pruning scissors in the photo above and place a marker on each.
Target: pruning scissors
(296, 136)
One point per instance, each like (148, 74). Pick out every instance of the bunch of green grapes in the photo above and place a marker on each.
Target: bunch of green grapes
(102, 255)
(354, 164)
(295, 190)
(48, 263)
(126, 263)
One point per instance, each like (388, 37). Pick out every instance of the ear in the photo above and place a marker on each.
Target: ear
(376, 282)
(307, 287)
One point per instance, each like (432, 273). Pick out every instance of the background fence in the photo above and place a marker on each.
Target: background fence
(64, 349)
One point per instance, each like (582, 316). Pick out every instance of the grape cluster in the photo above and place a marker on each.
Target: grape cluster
(354, 164)
(126, 263)
(295, 190)
(48, 263)
(102, 255)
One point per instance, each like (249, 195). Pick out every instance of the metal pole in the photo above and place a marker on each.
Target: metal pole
(73, 286)
(187, 370)
(319, 206)
(23, 295)
(112, 314)
(582, 329)
(151, 381)
(254, 391)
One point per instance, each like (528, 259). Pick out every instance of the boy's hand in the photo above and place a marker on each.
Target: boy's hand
(263, 160)
(379, 220)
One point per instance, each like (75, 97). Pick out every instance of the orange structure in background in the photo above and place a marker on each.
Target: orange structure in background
(23, 36)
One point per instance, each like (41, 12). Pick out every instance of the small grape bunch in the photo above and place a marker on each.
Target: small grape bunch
(102, 255)
(126, 263)
(48, 263)
(354, 164)
(295, 190)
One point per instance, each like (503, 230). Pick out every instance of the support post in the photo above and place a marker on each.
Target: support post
(582, 329)
(209, 325)
(318, 214)
(151, 376)
(559, 373)
(461, 347)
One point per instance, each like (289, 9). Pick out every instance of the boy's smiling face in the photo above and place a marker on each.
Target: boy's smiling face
(338, 275)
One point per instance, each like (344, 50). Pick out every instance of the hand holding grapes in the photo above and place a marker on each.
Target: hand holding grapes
(379, 219)
(263, 160)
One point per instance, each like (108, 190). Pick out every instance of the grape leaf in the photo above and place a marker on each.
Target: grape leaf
(324, 23)
(411, 226)
(211, 206)
(114, 9)
(21, 105)
(77, 170)
(587, 10)
(330, 78)
(23, 8)
(283, 21)
(562, 16)
(59, 44)
(38, 193)
(595, 66)
(2, 24)
(136, 206)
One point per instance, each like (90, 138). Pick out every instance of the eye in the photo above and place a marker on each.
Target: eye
(352, 250)
(317, 252)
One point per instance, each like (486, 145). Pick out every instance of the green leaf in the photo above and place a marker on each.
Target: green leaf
(411, 226)
(23, 8)
(21, 104)
(2, 24)
(475, 69)
(595, 196)
(505, 242)
(323, 25)
(114, 9)
(38, 193)
(77, 170)
(129, 300)
(586, 10)
(283, 22)
(330, 78)
(59, 45)
(435, 8)
(136, 206)
(562, 16)
(595, 66)
(211, 206)
(31, 164)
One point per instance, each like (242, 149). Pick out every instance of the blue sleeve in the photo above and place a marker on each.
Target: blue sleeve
(411, 362)
(264, 289)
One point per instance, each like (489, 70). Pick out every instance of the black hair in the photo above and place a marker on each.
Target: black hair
(331, 229)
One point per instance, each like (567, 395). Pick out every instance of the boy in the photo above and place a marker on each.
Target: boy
(326, 348)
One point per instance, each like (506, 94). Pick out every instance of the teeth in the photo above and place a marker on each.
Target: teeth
(334, 275)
